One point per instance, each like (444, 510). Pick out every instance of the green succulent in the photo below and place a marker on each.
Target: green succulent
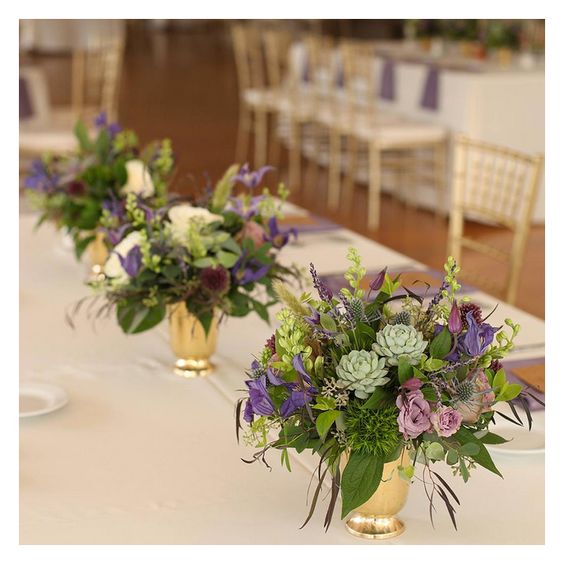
(399, 341)
(362, 371)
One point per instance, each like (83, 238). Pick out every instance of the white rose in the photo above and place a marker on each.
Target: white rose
(113, 268)
(139, 180)
(182, 215)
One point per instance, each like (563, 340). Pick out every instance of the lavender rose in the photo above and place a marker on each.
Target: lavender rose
(413, 418)
(446, 421)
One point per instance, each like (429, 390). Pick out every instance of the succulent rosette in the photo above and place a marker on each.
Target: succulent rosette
(209, 256)
(86, 190)
(348, 377)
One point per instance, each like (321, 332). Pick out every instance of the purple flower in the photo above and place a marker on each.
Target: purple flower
(245, 272)
(325, 293)
(478, 337)
(377, 283)
(446, 421)
(114, 206)
(215, 279)
(413, 418)
(114, 128)
(412, 384)
(314, 318)
(39, 178)
(298, 364)
(251, 179)
(101, 120)
(454, 319)
(116, 235)
(296, 400)
(279, 237)
(245, 210)
(132, 261)
(259, 402)
(273, 377)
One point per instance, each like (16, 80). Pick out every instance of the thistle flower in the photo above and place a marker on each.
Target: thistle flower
(215, 279)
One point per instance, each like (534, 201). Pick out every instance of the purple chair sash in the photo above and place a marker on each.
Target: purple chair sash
(26, 109)
(388, 80)
(430, 98)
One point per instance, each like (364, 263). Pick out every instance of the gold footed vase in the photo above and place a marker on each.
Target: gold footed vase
(376, 519)
(97, 255)
(189, 342)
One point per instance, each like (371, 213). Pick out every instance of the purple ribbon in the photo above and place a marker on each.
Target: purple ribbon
(388, 80)
(430, 98)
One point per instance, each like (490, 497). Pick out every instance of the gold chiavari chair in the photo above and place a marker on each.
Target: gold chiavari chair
(497, 186)
(256, 99)
(382, 135)
(95, 77)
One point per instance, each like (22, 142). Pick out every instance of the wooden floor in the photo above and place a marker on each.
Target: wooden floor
(183, 86)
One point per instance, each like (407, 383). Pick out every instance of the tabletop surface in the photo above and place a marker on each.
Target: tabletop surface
(141, 456)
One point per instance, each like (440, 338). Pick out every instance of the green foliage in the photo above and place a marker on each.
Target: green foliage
(223, 189)
(441, 344)
(354, 275)
(361, 478)
(372, 431)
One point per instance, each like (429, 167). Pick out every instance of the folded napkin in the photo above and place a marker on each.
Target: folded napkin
(528, 372)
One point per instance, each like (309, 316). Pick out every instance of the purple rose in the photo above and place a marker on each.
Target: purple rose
(446, 421)
(412, 384)
(413, 418)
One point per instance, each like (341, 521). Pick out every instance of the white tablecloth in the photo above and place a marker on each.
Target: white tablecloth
(140, 456)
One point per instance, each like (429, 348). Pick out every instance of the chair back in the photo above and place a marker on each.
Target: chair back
(276, 48)
(498, 186)
(249, 59)
(96, 71)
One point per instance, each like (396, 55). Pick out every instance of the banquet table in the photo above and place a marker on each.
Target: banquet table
(141, 456)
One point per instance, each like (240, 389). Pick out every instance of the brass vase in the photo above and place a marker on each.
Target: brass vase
(97, 254)
(376, 518)
(189, 342)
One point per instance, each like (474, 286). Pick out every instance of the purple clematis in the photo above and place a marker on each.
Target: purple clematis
(243, 272)
(279, 237)
(39, 178)
(101, 121)
(251, 179)
(245, 211)
(116, 235)
(114, 206)
(377, 283)
(478, 337)
(301, 392)
(132, 261)
(259, 402)
(314, 317)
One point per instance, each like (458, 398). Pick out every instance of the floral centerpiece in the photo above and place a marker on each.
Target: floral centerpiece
(76, 190)
(197, 261)
(375, 382)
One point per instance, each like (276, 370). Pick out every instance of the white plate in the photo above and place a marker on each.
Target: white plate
(38, 398)
(522, 441)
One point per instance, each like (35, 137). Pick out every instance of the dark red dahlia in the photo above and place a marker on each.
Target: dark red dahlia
(474, 309)
(271, 344)
(215, 279)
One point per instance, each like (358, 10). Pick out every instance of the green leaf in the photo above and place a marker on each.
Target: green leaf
(103, 143)
(227, 259)
(360, 480)
(327, 322)
(470, 449)
(203, 262)
(406, 472)
(81, 133)
(499, 379)
(80, 245)
(136, 319)
(260, 309)
(324, 422)
(441, 344)
(323, 404)
(493, 439)
(432, 364)
(206, 319)
(509, 392)
(379, 399)
(405, 370)
(483, 457)
(231, 245)
(435, 451)
(452, 456)
(430, 394)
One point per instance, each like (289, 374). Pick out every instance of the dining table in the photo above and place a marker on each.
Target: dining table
(139, 455)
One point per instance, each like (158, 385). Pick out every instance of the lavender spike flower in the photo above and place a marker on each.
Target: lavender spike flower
(325, 294)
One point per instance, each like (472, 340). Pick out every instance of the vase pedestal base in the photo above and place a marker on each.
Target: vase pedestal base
(193, 367)
(374, 527)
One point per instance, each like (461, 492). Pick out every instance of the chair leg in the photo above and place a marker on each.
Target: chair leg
(295, 155)
(261, 136)
(350, 175)
(334, 168)
(243, 131)
(374, 165)
(274, 154)
(440, 178)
